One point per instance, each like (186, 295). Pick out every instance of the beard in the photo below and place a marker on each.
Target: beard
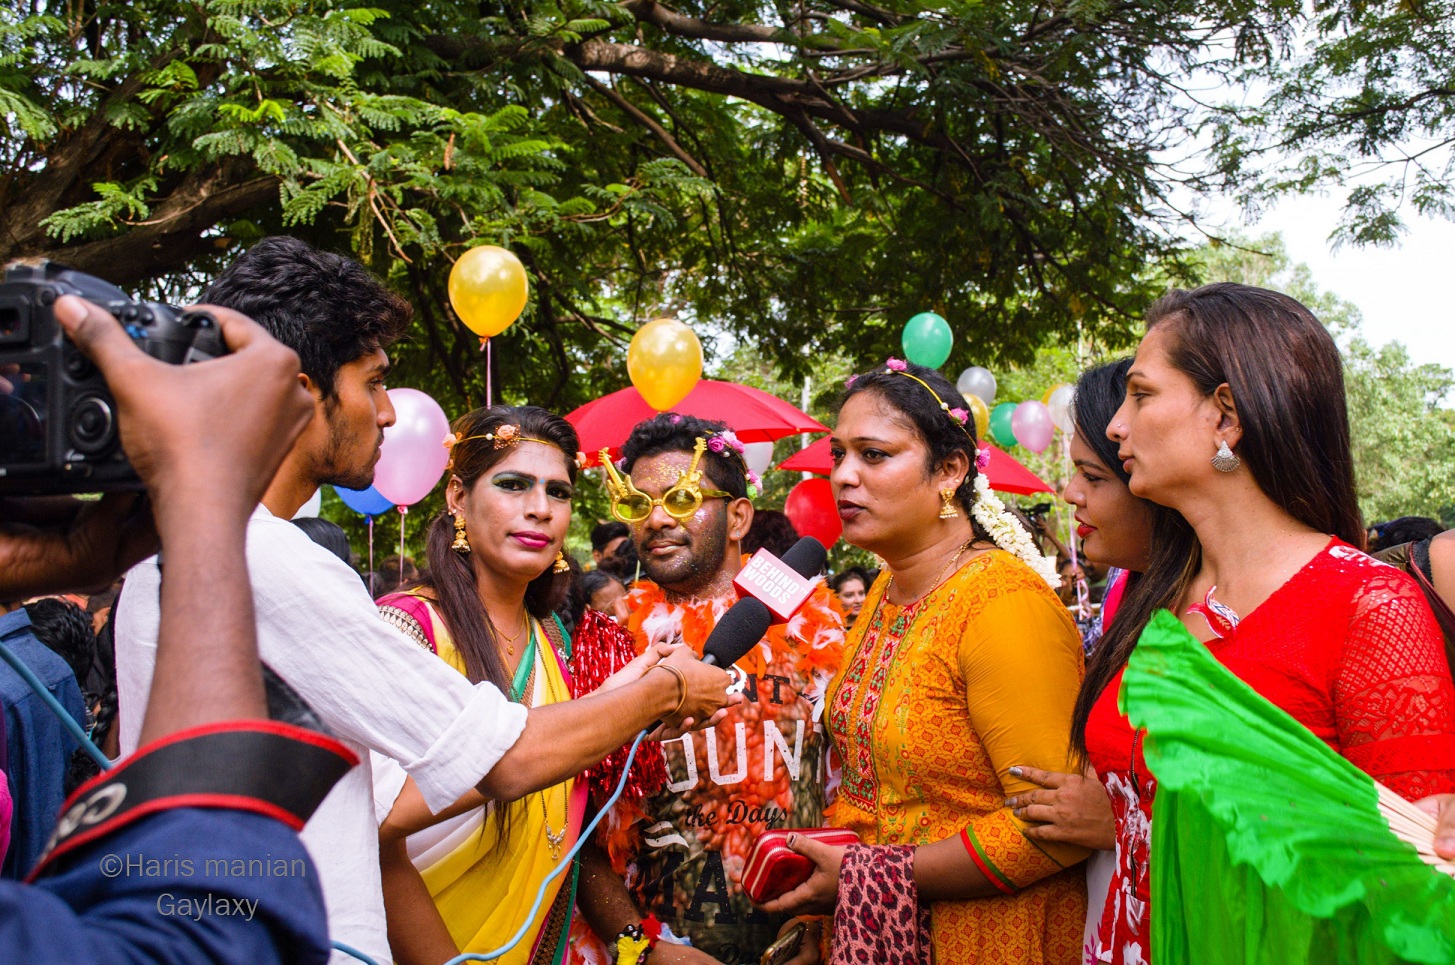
(687, 572)
(342, 463)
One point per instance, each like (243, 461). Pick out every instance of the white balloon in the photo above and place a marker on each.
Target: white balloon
(978, 381)
(1060, 406)
(758, 456)
(311, 508)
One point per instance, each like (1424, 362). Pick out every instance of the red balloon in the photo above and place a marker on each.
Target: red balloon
(811, 508)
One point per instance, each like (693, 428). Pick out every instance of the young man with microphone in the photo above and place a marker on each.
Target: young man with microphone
(684, 490)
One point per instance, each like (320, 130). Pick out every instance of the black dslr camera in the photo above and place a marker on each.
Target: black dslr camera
(58, 431)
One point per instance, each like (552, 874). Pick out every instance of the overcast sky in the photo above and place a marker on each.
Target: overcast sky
(1406, 293)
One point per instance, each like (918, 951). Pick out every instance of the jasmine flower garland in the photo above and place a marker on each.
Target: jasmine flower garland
(1007, 532)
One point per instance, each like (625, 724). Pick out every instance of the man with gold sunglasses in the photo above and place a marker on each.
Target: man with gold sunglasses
(685, 491)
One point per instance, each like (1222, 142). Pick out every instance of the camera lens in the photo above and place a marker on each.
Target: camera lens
(93, 427)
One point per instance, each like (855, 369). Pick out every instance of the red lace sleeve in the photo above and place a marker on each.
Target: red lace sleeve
(1394, 701)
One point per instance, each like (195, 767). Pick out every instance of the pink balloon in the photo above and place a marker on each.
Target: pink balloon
(414, 455)
(1031, 423)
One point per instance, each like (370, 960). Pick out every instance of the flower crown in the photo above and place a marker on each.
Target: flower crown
(960, 416)
(727, 440)
(503, 437)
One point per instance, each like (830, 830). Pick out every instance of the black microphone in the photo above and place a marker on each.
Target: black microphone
(745, 622)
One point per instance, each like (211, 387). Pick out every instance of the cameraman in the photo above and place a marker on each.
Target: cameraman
(204, 792)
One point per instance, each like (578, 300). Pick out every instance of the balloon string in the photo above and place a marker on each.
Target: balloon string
(371, 552)
(403, 511)
(489, 401)
(1083, 592)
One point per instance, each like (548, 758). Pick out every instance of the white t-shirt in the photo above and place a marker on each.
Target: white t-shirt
(378, 691)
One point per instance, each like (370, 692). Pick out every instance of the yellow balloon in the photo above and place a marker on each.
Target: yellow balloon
(488, 289)
(664, 362)
(1046, 398)
(982, 415)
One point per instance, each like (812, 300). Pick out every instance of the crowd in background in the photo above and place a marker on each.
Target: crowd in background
(955, 707)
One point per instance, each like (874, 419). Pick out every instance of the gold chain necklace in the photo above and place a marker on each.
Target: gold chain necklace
(939, 577)
(510, 640)
(554, 839)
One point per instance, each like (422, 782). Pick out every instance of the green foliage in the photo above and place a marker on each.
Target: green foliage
(1367, 100)
(795, 178)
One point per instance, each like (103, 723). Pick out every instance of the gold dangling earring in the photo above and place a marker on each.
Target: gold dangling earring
(461, 545)
(947, 511)
(560, 566)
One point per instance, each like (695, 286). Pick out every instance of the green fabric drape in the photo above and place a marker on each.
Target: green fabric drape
(1267, 846)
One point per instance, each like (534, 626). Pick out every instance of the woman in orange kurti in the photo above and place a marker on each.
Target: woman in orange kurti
(962, 666)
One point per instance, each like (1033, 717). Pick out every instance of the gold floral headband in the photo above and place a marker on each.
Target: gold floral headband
(502, 438)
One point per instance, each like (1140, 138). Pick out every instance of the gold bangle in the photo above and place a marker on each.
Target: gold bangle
(681, 680)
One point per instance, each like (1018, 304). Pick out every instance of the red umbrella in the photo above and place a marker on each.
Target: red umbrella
(755, 415)
(1005, 474)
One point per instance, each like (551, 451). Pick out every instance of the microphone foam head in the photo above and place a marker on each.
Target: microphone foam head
(739, 631)
(807, 557)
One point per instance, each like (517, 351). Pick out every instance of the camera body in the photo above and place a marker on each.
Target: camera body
(58, 425)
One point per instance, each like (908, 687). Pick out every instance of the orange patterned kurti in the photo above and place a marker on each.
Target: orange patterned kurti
(935, 703)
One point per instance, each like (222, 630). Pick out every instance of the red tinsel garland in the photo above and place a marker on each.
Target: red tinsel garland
(601, 647)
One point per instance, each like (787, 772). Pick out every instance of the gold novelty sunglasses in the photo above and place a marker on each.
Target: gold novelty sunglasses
(630, 505)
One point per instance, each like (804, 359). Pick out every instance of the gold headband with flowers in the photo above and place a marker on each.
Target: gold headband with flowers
(503, 437)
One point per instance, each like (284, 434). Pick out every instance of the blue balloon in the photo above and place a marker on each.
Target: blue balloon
(365, 501)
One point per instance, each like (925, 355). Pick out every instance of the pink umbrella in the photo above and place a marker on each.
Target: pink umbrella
(1005, 474)
(754, 415)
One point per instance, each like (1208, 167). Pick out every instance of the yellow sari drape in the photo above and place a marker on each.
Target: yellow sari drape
(483, 893)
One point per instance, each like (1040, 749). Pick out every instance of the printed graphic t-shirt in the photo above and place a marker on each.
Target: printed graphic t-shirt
(763, 766)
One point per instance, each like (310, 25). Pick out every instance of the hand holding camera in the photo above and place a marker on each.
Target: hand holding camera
(204, 439)
(198, 435)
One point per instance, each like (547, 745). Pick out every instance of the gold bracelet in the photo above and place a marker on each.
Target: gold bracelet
(681, 679)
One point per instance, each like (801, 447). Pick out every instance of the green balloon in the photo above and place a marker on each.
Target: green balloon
(1000, 429)
(927, 340)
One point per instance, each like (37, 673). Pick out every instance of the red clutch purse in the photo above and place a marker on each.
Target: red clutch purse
(774, 869)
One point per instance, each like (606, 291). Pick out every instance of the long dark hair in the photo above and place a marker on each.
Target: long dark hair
(1099, 393)
(1287, 381)
(452, 577)
(941, 434)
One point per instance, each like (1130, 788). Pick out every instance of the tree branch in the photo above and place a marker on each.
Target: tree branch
(646, 120)
(174, 233)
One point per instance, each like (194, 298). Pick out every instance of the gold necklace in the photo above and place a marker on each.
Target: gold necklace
(510, 640)
(554, 839)
(938, 576)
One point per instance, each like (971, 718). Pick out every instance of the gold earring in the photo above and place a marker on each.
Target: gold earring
(947, 511)
(560, 566)
(461, 545)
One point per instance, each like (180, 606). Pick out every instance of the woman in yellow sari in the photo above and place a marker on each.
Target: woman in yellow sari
(496, 574)
(962, 667)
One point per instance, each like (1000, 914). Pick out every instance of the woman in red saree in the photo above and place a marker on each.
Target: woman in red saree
(1235, 418)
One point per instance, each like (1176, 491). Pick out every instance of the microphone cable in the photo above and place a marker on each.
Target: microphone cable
(535, 908)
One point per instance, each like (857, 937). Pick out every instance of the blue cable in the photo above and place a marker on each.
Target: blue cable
(75, 731)
(64, 716)
(581, 839)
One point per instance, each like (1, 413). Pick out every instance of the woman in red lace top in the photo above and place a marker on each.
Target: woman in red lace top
(1235, 418)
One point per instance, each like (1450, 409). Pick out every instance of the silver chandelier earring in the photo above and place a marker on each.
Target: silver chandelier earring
(1225, 460)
